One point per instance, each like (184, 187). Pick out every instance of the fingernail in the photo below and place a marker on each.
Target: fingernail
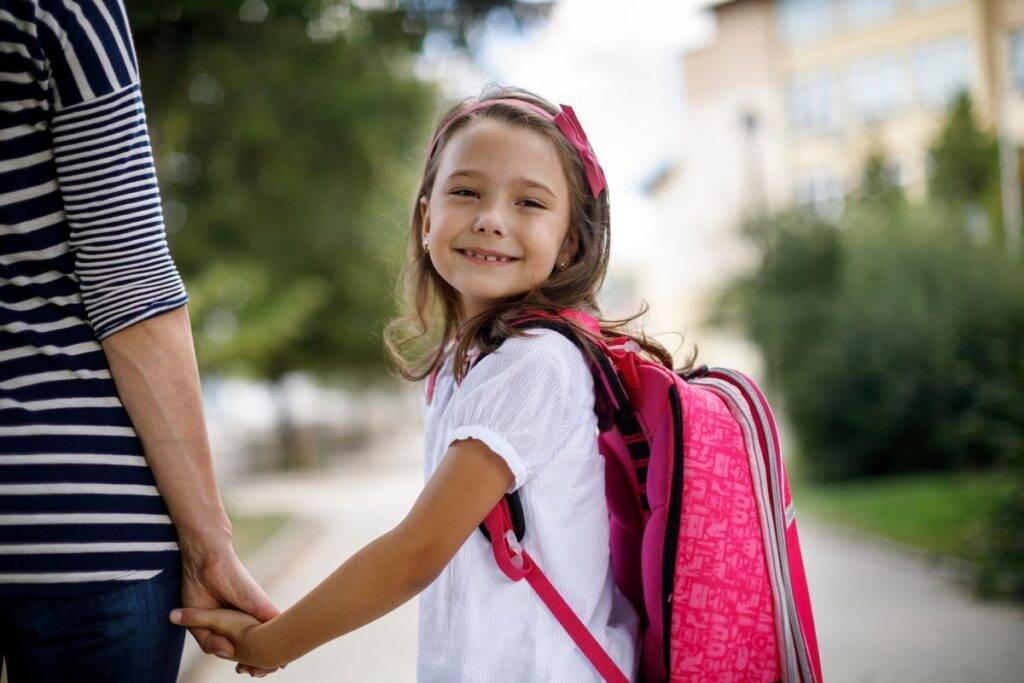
(222, 654)
(175, 616)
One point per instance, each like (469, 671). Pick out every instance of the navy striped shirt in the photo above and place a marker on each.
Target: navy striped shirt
(82, 255)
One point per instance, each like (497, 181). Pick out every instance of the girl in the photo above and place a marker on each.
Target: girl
(511, 216)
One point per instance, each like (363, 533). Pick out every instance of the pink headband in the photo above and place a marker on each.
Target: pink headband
(567, 123)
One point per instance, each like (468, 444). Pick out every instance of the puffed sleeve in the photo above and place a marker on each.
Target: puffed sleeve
(104, 164)
(518, 400)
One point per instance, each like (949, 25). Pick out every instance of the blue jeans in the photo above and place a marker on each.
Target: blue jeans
(118, 636)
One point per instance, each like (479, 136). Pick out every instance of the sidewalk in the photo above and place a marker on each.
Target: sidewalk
(881, 616)
(885, 616)
(354, 504)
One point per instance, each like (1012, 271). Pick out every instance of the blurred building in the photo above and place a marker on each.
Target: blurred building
(788, 99)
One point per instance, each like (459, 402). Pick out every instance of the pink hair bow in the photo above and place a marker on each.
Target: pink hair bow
(570, 126)
(566, 122)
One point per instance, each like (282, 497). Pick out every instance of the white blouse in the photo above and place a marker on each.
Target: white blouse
(532, 403)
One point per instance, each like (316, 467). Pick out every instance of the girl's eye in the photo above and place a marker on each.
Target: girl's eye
(464, 192)
(533, 204)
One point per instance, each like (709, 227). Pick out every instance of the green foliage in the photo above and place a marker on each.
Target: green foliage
(896, 342)
(895, 338)
(1002, 567)
(287, 156)
(964, 172)
(878, 190)
(896, 335)
(288, 135)
(913, 510)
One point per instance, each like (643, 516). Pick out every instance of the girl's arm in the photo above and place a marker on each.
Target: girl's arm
(470, 480)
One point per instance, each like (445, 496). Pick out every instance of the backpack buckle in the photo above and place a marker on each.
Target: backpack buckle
(517, 550)
(623, 354)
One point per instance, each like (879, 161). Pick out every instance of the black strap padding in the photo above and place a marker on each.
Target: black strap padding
(607, 414)
(515, 509)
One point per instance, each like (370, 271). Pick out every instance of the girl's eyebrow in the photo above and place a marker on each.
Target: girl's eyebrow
(522, 180)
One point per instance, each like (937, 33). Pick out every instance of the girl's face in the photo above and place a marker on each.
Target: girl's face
(497, 218)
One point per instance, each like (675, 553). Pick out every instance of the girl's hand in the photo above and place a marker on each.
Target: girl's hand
(244, 632)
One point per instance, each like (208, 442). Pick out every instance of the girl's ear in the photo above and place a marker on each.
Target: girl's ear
(424, 217)
(569, 247)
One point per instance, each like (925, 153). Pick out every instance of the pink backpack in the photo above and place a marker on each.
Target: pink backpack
(703, 538)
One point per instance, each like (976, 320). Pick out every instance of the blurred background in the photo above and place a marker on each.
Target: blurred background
(823, 193)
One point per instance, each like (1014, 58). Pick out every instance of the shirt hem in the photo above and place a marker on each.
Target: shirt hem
(501, 447)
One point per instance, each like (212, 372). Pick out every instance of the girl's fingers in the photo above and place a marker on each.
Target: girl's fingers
(213, 619)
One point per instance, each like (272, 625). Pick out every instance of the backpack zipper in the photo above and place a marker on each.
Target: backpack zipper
(779, 516)
(675, 507)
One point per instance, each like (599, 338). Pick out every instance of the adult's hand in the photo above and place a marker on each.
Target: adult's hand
(218, 579)
(214, 579)
(154, 366)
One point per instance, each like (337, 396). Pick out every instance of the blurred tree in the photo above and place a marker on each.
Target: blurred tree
(895, 338)
(878, 189)
(964, 171)
(288, 134)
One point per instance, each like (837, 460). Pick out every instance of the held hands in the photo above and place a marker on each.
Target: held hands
(245, 632)
(214, 579)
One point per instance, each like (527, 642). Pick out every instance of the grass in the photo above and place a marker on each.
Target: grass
(250, 532)
(940, 513)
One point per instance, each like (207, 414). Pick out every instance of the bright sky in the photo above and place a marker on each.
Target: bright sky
(619, 66)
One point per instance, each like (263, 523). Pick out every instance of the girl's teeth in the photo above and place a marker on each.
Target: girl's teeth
(488, 258)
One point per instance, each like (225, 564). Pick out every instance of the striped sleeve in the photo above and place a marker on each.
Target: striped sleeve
(105, 166)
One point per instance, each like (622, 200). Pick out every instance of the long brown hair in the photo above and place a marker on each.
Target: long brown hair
(431, 315)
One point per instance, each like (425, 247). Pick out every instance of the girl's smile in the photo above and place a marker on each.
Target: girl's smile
(487, 257)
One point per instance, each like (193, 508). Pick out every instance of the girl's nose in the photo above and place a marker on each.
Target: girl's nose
(489, 222)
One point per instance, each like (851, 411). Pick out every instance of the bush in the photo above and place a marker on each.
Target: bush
(896, 343)
(895, 337)
(1002, 567)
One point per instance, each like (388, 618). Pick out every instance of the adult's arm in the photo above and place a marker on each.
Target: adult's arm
(154, 366)
(131, 293)
(469, 481)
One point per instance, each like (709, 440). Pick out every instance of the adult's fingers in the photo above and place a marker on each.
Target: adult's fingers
(253, 671)
(244, 593)
(213, 643)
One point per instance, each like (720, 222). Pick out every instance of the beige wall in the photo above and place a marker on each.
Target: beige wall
(903, 137)
(1008, 15)
(698, 207)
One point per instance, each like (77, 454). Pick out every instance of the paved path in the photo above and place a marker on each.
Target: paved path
(881, 616)
(358, 502)
(885, 616)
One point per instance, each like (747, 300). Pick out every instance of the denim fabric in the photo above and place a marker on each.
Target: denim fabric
(117, 636)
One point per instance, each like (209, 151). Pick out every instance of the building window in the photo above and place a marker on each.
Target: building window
(943, 70)
(814, 103)
(804, 19)
(867, 11)
(876, 87)
(1017, 57)
(821, 193)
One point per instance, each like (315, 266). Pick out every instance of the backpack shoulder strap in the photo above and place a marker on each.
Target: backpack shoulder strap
(505, 526)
